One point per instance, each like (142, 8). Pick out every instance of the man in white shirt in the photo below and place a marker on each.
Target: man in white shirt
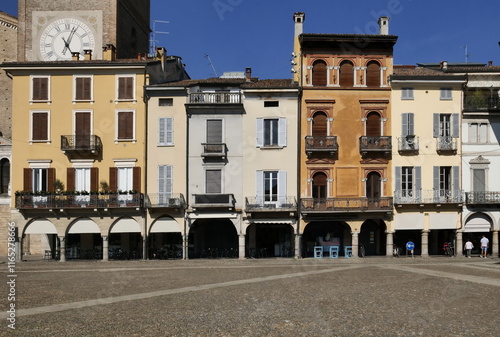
(484, 246)
(468, 248)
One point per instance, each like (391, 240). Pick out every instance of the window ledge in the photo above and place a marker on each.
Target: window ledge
(125, 100)
(91, 101)
(133, 141)
(165, 145)
(44, 101)
(39, 141)
(271, 147)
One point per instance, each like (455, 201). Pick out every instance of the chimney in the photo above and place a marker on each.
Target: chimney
(161, 52)
(87, 54)
(75, 56)
(490, 63)
(248, 74)
(109, 52)
(383, 23)
(298, 18)
(444, 65)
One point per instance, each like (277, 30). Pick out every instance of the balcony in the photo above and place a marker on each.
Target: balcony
(481, 102)
(213, 201)
(382, 144)
(78, 201)
(482, 198)
(405, 197)
(215, 98)
(282, 204)
(346, 205)
(214, 151)
(90, 144)
(165, 200)
(321, 144)
(408, 144)
(446, 144)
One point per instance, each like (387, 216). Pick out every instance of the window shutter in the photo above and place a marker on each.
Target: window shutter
(259, 187)
(82, 88)
(40, 89)
(456, 182)
(51, 178)
(214, 131)
(473, 129)
(405, 124)
(319, 74)
(162, 179)
(479, 179)
(70, 179)
(483, 133)
(398, 179)
(213, 181)
(94, 179)
(411, 118)
(418, 182)
(456, 127)
(260, 132)
(282, 131)
(281, 187)
(161, 131)
(373, 75)
(169, 177)
(27, 179)
(346, 74)
(113, 179)
(169, 131)
(136, 179)
(436, 179)
(125, 88)
(40, 126)
(125, 125)
(436, 125)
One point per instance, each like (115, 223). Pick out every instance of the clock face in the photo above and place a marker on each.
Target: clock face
(62, 37)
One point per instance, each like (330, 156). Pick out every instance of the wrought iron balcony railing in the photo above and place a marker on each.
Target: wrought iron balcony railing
(485, 102)
(482, 198)
(281, 204)
(213, 200)
(428, 197)
(75, 200)
(321, 144)
(362, 204)
(76, 143)
(214, 150)
(408, 144)
(375, 144)
(215, 98)
(165, 200)
(445, 144)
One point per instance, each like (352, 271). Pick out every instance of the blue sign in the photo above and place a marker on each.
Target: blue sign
(410, 245)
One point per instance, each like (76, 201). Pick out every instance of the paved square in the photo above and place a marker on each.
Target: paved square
(268, 297)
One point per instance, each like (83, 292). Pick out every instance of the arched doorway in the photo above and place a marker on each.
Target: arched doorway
(372, 237)
(477, 225)
(212, 238)
(4, 176)
(319, 186)
(331, 233)
(319, 74)
(40, 238)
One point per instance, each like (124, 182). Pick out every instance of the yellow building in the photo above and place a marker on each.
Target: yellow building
(345, 132)
(79, 145)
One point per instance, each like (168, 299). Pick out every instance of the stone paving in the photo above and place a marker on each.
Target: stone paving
(435, 296)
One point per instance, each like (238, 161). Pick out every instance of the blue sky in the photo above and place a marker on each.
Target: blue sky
(236, 34)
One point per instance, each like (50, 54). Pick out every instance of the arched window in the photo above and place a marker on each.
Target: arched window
(319, 126)
(319, 186)
(346, 74)
(373, 128)
(373, 74)
(4, 176)
(373, 185)
(319, 74)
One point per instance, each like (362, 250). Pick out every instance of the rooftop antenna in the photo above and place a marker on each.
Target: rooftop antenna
(153, 41)
(212, 65)
(466, 53)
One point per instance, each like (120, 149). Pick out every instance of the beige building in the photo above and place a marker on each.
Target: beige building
(428, 198)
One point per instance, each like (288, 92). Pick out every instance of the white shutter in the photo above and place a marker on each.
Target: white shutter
(162, 197)
(169, 131)
(260, 132)
(281, 188)
(162, 131)
(282, 131)
(259, 187)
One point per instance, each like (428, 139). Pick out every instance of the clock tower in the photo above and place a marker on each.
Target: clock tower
(51, 30)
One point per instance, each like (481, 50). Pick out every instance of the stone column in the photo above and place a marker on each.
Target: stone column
(145, 246)
(185, 246)
(494, 243)
(298, 246)
(390, 243)
(459, 245)
(62, 249)
(425, 243)
(354, 244)
(241, 246)
(105, 248)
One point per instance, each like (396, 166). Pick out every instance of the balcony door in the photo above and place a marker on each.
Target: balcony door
(319, 124)
(373, 185)
(319, 186)
(373, 128)
(82, 130)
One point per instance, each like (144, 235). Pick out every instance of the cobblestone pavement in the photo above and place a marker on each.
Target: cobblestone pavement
(269, 297)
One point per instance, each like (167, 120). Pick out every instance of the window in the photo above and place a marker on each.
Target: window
(165, 183)
(271, 132)
(214, 131)
(39, 126)
(270, 104)
(82, 179)
(478, 133)
(446, 182)
(39, 180)
(479, 180)
(126, 88)
(165, 131)
(373, 127)
(39, 177)
(407, 93)
(4, 176)
(83, 88)
(125, 179)
(445, 94)
(40, 88)
(373, 189)
(125, 125)
(319, 74)
(319, 185)
(165, 102)
(270, 186)
(346, 74)
(446, 125)
(373, 74)
(407, 124)
(408, 182)
(213, 181)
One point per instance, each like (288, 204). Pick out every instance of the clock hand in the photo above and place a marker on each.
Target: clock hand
(66, 43)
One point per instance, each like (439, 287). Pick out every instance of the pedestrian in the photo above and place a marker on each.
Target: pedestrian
(468, 248)
(484, 246)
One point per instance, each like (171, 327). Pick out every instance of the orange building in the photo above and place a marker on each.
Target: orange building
(345, 147)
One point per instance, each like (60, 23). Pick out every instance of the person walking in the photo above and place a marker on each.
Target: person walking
(484, 246)
(468, 248)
